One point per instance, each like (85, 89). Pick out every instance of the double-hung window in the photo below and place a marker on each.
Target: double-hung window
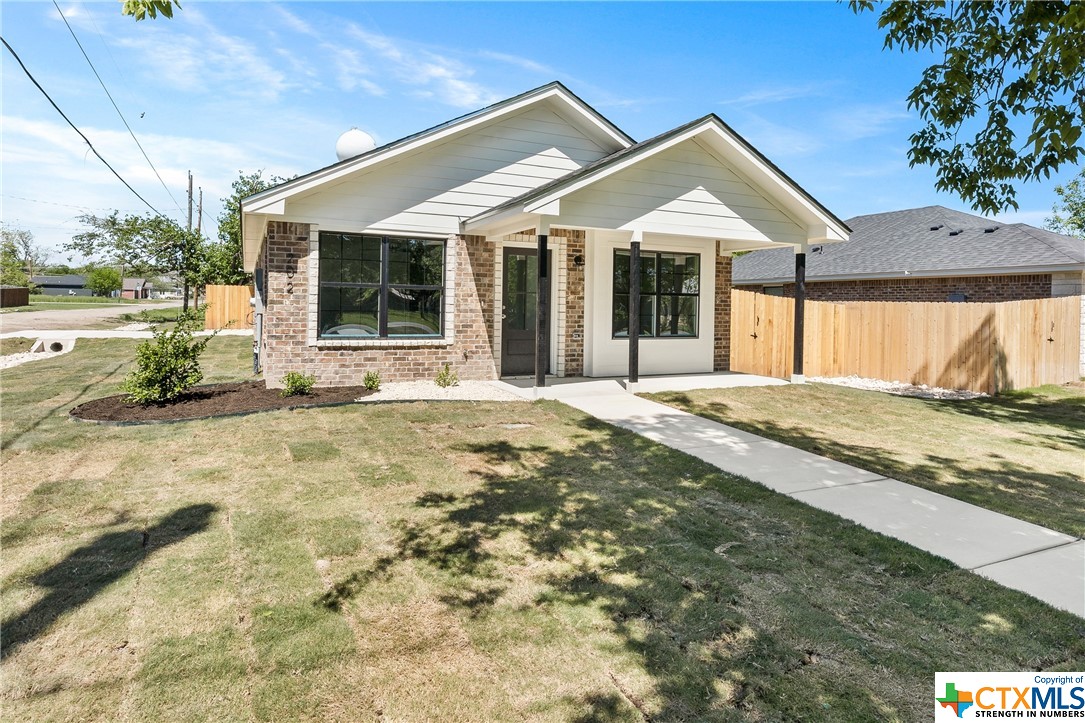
(670, 292)
(376, 287)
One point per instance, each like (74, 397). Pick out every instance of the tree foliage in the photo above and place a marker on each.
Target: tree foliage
(11, 268)
(140, 9)
(31, 255)
(104, 281)
(1068, 213)
(230, 261)
(1003, 65)
(144, 244)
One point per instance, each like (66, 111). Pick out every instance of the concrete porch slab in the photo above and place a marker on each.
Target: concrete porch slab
(1053, 575)
(967, 535)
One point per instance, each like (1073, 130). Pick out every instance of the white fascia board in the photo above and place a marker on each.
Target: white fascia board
(496, 224)
(934, 274)
(273, 208)
(552, 208)
(340, 170)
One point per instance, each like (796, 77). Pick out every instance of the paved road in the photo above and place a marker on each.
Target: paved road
(72, 318)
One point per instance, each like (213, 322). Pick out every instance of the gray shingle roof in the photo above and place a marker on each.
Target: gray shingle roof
(932, 240)
(75, 280)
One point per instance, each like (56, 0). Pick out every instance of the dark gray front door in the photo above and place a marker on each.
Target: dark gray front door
(519, 295)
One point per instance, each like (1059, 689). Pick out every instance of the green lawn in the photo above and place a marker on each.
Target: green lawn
(41, 302)
(1021, 453)
(450, 561)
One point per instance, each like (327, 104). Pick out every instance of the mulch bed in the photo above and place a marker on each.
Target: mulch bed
(213, 400)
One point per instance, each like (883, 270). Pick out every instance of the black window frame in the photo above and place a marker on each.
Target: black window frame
(658, 294)
(384, 286)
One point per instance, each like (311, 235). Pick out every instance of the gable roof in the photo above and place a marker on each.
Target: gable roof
(918, 242)
(617, 160)
(554, 89)
(133, 284)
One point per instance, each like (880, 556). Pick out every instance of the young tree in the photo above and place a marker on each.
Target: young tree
(1068, 213)
(103, 281)
(11, 271)
(1001, 64)
(32, 256)
(147, 244)
(230, 258)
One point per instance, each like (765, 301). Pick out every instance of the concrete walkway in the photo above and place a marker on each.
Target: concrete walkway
(1046, 564)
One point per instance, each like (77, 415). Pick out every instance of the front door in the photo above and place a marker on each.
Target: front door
(519, 297)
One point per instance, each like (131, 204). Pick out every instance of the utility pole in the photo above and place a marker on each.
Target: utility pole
(184, 302)
(199, 233)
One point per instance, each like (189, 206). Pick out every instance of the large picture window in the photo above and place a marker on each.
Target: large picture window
(670, 291)
(380, 286)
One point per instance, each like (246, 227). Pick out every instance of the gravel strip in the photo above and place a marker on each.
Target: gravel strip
(468, 391)
(135, 326)
(14, 360)
(899, 388)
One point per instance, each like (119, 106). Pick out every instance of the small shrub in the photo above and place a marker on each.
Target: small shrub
(446, 377)
(296, 383)
(167, 365)
(372, 381)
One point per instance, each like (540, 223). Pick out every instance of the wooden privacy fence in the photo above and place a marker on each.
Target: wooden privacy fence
(227, 304)
(981, 347)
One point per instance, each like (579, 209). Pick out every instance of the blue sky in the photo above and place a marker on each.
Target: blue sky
(229, 87)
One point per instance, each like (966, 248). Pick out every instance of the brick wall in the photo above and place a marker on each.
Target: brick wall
(721, 356)
(288, 344)
(975, 288)
(574, 301)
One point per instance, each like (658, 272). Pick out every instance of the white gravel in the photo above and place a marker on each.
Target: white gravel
(898, 388)
(14, 360)
(135, 326)
(470, 391)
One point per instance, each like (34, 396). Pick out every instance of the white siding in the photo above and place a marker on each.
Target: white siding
(434, 189)
(683, 190)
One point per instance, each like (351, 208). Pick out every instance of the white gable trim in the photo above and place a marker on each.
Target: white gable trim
(272, 197)
(712, 135)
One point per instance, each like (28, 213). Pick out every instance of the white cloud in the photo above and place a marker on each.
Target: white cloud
(777, 140)
(431, 74)
(776, 94)
(520, 62)
(865, 121)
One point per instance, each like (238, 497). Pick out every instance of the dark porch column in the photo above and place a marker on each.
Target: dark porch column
(634, 312)
(542, 323)
(800, 306)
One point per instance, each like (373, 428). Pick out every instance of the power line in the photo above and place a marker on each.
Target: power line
(115, 107)
(75, 128)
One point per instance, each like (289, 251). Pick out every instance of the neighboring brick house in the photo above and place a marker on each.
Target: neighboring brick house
(426, 251)
(135, 289)
(929, 254)
(926, 254)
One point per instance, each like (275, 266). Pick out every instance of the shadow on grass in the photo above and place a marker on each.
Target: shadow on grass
(725, 593)
(94, 383)
(84, 573)
(1024, 408)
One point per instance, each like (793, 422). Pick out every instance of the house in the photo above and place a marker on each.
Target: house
(135, 289)
(927, 254)
(502, 244)
(64, 285)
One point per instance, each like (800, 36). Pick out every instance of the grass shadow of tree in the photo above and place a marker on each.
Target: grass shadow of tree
(685, 570)
(86, 571)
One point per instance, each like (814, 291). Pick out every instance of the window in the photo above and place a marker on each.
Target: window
(774, 290)
(380, 287)
(670, 288)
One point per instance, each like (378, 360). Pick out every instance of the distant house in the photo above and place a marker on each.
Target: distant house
(136, 289)
(926, 254)
(66, 285)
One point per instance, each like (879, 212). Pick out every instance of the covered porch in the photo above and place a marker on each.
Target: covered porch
(623, 268)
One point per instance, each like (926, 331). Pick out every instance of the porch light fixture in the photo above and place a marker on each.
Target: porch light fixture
(578, 260)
